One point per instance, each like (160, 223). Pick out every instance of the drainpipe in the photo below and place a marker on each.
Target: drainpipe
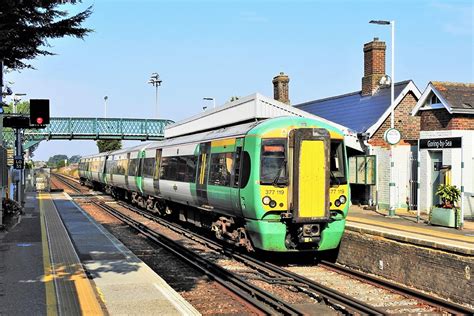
(461, 223)
(418, 179)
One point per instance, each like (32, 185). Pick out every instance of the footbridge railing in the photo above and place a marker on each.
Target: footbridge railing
(73, 128)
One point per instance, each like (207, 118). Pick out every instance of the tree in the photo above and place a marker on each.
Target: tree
(22, 107)
(108, 145)
(56, 160)
(74, 159)
(26, 26)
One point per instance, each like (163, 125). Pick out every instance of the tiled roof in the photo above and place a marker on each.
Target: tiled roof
(354, 110)
(460, 96)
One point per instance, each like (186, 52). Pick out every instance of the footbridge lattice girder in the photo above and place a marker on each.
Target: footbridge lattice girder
(73, 128)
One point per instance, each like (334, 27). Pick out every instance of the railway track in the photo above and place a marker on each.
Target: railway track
(262, 299)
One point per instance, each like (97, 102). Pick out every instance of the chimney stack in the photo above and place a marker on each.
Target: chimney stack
(374, 66)
(280, 88)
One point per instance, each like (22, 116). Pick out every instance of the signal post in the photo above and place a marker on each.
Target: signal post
(39, 118)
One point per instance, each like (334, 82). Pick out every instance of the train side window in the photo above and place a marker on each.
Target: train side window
(148, 167)
(245, 172)
(221, 166)
(132, 167)
(180, 168)
(237, 155)
(168, 168)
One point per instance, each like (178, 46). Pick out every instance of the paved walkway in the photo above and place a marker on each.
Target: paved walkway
(406, 227)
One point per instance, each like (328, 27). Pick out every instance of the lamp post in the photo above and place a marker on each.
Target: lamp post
(156, 82)
(211, 99)
(105, 106)
(392, 116)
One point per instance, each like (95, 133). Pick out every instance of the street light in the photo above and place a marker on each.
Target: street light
(211, 99)
(16, 100)
(156, 82)
(105, 106)
(392, 114)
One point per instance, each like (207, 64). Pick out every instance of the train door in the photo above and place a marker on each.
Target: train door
(203, 168)
(219, 178)
(311, 174)
(236, 177)
(126, 174)
(156, 173)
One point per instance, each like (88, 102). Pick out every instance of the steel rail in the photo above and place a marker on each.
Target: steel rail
(64, 181)
(334, 297)
(247, 291)
(450, 307)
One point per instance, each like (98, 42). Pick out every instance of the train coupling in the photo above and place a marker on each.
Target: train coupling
(309, 233)
(286, 216)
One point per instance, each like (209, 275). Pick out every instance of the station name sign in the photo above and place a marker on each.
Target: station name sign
(441, 143)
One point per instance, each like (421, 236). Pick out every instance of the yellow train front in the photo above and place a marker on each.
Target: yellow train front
(297, 197)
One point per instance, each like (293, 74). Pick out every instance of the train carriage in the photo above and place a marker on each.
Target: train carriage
(91, 169)
(277, 185)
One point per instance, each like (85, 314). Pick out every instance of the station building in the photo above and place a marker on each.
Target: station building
(367, 112)
(446, 144)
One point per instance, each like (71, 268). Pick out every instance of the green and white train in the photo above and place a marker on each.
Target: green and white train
(276, 185)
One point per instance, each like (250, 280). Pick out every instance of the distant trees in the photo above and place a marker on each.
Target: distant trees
(26, 26)
(22, 107)
(74, 159)
(108, 145)
(57, 161)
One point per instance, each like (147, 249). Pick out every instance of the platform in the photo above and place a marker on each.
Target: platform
(57, 260)
(404, 227)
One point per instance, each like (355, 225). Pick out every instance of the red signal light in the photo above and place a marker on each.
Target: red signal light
(39, 120)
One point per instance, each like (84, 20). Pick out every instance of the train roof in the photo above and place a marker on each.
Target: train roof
(224, 132)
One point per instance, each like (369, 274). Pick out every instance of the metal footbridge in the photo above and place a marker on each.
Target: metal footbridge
(74, 128)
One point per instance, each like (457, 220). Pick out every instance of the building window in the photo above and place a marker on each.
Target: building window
(434, 99)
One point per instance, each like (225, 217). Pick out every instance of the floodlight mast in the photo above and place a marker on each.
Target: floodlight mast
(156, 82)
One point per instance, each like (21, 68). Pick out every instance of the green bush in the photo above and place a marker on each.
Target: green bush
(449, 194)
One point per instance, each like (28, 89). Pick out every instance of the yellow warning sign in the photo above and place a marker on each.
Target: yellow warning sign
(10, 153)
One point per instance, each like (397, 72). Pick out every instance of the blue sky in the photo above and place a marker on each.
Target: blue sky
(234, 48)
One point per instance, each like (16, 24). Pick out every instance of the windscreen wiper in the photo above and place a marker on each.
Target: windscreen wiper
(277, 177)
(336, 178)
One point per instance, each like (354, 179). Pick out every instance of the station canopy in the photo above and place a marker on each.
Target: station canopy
(254, 107)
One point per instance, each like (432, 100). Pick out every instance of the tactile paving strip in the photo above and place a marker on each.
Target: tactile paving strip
(74, 292)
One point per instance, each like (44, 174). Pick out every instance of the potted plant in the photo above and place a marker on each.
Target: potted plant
(447, 213)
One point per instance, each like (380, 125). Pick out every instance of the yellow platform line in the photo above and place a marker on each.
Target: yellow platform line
(85, 293)
(416, 230)
(51, 303)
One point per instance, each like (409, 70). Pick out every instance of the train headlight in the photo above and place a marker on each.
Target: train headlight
(266, 200)
(273, 203)
(337, 203)
(343, 199)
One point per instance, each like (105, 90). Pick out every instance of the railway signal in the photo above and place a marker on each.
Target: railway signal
(39, 112)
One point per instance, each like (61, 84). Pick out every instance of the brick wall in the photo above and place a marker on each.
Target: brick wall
(441, 119)
(408, 125)
(447, 274)
(374, 66)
